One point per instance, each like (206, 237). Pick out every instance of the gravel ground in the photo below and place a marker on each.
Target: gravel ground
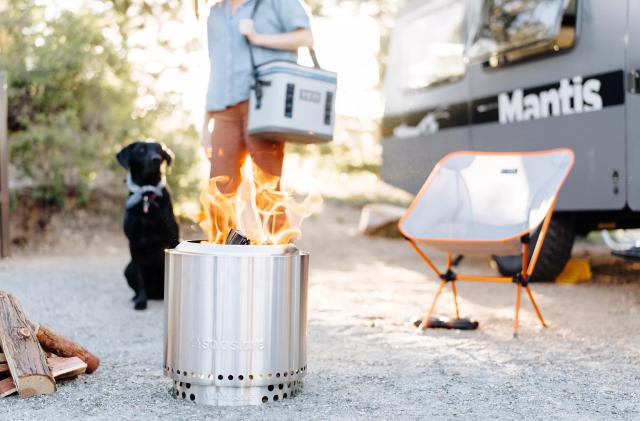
(365, 359)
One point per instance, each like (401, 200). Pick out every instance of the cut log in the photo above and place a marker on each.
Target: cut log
(2, 358)
(62, 368)
(4, 368)
(63, 347)
(26, 360)
(7, 387)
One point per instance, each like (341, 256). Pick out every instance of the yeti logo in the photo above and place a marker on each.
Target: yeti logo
(570, 97)
(310, 96)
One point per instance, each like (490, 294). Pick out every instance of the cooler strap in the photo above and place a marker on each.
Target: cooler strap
(312, 52)
(257, 82)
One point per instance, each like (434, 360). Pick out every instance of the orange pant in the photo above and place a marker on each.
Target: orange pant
(230, 144)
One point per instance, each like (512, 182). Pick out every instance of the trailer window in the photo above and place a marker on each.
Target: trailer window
(432, 45)
(508, 31)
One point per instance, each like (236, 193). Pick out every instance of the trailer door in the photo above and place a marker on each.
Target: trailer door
(557, 81)
(633, 106)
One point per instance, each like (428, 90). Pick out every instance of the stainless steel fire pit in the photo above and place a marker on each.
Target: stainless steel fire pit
(235, 322)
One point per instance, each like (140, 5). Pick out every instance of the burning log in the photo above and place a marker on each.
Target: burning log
(259, 208)
(236, 238)
(25, 358)
(25, 368)
(52, 342)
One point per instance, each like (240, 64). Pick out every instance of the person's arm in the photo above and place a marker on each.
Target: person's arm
(286, 41)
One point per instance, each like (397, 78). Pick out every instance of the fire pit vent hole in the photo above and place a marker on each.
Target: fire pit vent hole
(192, 397)
(275, 397)
(265, 399)
(230, 377)
(241, 377)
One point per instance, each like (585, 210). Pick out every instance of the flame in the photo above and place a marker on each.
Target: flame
(259, 209)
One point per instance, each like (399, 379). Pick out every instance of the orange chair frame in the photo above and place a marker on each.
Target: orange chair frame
(521, 281)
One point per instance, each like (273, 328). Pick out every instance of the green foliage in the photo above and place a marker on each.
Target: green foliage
(72, 102)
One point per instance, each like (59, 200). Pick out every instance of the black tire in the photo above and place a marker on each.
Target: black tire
(554, 255)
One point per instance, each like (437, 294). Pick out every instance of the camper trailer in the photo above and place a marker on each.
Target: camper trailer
(522, 75)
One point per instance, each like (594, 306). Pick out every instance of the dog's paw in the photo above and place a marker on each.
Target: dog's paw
(140, 305)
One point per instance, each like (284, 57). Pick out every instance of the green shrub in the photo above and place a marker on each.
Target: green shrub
(72, 103)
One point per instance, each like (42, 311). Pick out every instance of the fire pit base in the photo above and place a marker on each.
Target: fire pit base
(235, 323)
(235, 396)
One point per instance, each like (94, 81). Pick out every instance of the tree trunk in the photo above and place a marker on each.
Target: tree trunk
(26, 360)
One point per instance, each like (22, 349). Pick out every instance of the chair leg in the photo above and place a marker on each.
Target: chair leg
(517, 311)
(535, 306)
(455, 298)
(427, 316)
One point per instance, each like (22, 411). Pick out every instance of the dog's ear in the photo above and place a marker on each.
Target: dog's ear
(167, 154)
(125, 154)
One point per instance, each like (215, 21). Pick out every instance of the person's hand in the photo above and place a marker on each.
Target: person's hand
(248, 29)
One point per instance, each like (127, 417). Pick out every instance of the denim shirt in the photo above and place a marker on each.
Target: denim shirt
(231, 75)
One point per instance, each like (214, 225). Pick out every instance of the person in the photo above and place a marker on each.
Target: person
(277, 30)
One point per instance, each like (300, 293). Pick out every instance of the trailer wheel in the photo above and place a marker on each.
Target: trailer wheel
(554, 255)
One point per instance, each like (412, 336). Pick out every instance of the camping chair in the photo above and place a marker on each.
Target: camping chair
(486, 203)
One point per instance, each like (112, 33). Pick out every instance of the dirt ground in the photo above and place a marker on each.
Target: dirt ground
(366, 360)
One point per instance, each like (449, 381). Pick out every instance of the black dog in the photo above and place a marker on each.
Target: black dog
(149, 223)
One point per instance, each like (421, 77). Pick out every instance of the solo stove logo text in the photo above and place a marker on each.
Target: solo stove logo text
(571, 97)
(198, 343)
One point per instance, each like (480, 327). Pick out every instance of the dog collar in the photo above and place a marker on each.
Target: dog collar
(138, 193)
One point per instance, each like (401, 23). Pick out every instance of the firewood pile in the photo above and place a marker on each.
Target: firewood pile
(33, 357)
